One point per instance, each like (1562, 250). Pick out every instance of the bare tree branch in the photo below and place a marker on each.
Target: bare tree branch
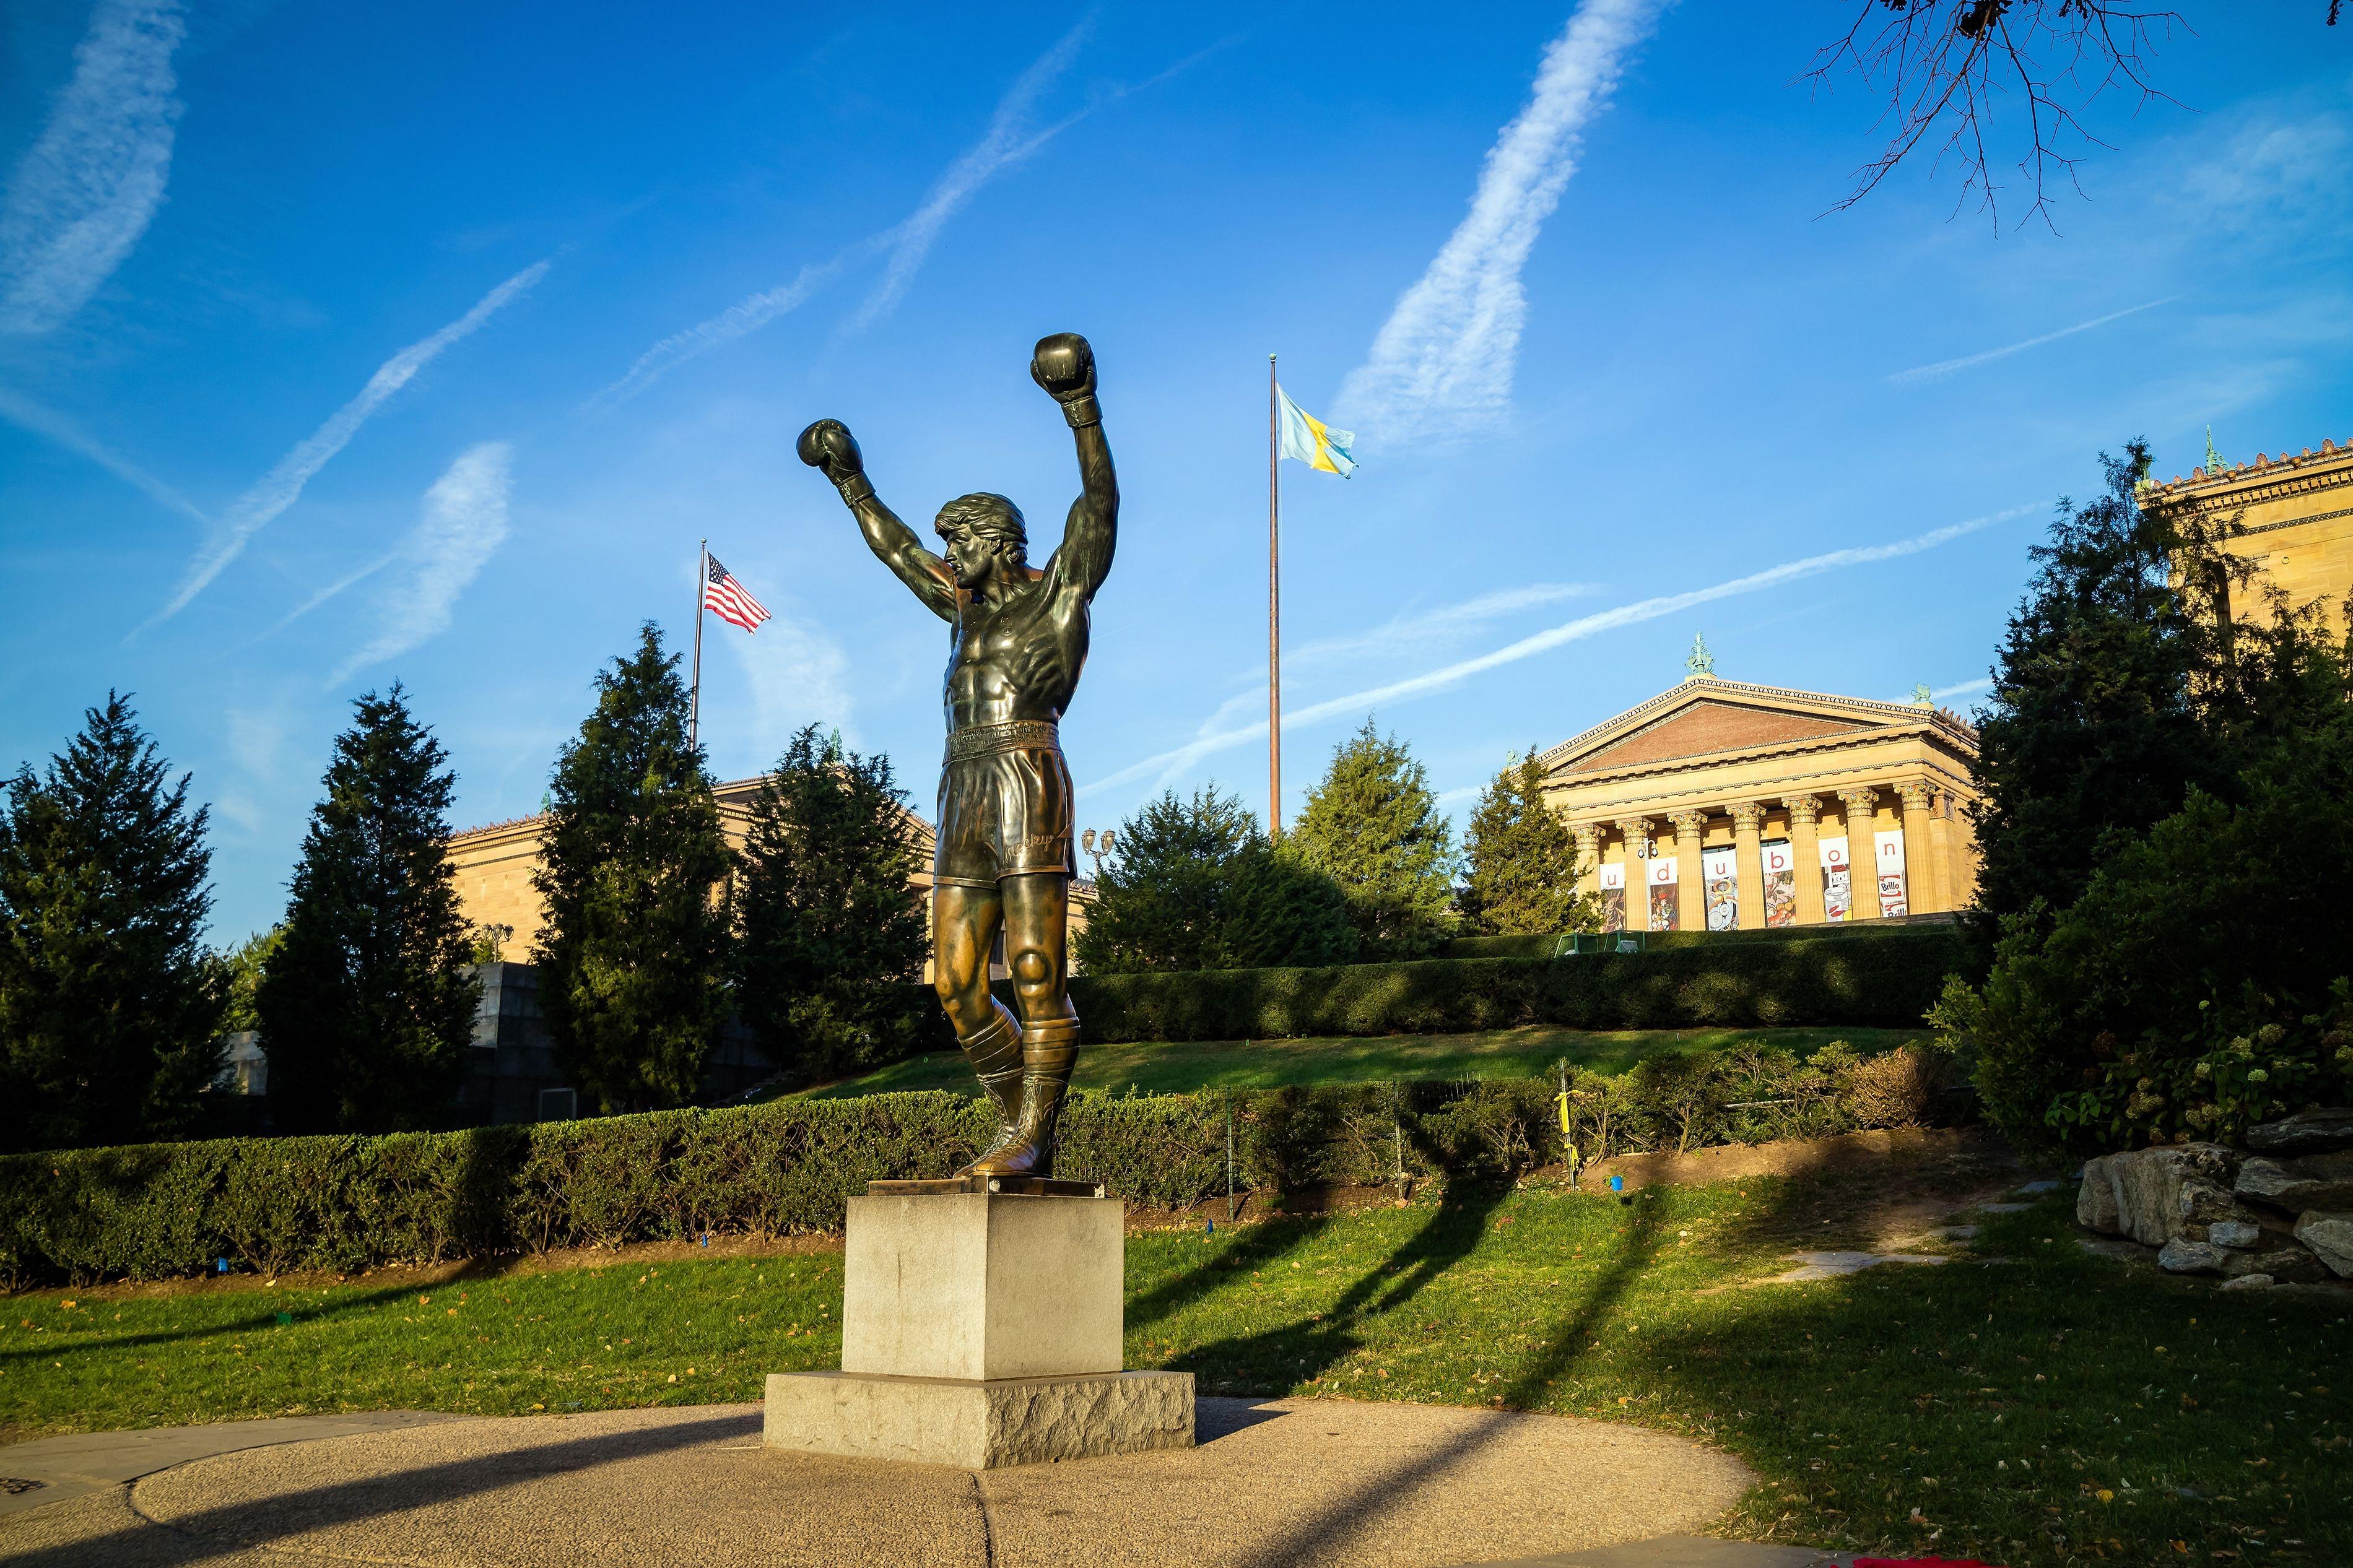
(1965, 76)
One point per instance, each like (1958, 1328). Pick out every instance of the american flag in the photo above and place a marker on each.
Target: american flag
(730, 600)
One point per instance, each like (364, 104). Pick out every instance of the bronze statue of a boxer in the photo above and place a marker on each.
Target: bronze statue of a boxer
(1019, 639)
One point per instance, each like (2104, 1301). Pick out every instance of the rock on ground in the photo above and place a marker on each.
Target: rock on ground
(2150, 1195)
(2298, 1182)
(2306, 1132)
(2183, 1256)
(2234, 1233)
(2330, 1238)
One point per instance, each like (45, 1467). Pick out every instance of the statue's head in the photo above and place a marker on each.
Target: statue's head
(985, 537)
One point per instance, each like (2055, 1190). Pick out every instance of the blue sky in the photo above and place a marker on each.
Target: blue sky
(341, 344)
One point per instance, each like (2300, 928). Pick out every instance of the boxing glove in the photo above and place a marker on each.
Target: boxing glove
(1065, 366)
(829, 447)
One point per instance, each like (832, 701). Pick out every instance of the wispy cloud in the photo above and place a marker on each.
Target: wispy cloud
(22, 411)
(2283, 167)
(282, 485)
(1009, 139)
(1445, 357)
(1970, 362)
(351, 579)
(797, 675)
(740, 319)
(1454, 674)
(86, 191)
(1012, 136)
(463, 521)
(1415, 630)
(1983, 683)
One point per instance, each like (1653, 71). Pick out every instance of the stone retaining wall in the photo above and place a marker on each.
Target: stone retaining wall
(2278, 1212)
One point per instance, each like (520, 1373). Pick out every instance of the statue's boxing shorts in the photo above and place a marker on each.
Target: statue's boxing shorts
(1004, 804)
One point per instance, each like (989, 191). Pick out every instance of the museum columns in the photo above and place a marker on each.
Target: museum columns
(1636, 833)
(1748, 861)
(1862, 852)
(1587, 836)
(1691, 884)
(1923, 868)
(1806, 849)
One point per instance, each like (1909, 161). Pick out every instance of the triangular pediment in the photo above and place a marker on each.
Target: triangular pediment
(1705, 716)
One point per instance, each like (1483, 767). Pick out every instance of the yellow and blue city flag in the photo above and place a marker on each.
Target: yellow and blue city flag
(1312, 441)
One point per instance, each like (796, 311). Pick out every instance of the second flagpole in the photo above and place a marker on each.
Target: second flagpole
(694, 703)
(1274, 606)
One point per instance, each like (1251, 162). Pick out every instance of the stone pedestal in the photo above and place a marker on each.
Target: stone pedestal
(981, 1329)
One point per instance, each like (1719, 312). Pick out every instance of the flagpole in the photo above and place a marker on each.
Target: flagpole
(694, 703)
(1274, 606)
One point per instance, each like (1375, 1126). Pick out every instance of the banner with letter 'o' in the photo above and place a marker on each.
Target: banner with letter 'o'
(1838, 881)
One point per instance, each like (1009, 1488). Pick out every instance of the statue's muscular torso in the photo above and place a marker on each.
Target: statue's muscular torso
(1019, 658)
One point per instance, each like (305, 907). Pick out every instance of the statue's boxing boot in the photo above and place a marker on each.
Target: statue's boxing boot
(1048, 1051)
(994, 1051)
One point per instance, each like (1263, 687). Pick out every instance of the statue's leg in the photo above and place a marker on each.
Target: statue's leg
(964, 930)
(1037, 948)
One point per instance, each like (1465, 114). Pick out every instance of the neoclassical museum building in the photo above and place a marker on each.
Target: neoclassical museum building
(493, 864)
(1721, 806)
(2289, 517)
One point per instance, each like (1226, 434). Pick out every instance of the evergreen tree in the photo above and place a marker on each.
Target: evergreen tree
(634, 953)
(1524, 870)
(368, 1000)
(243, 967)
(2113, 696)
(1195, 885)
(1373, 826)
(831, 940)
(1285, 913)
(110, 1009)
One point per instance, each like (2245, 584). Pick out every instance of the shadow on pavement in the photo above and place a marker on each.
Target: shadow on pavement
(213, 1533)
(1452, 1232)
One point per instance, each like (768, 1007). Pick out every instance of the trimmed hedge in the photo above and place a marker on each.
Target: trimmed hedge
(1887, 976)
(1541, 945)
(351, 1203)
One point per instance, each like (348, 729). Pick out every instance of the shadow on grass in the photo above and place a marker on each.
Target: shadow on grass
(257, 1323)
(1313, 1345)
(1453, 1230)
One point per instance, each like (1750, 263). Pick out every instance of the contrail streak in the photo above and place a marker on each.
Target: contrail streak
(18, 409)
(1584, 627)
(1947, 366)
(282, 485)
(1445, 357)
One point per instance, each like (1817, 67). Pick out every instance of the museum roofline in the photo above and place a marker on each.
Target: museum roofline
(2202, 485)
(1705, 685)
(511, 823)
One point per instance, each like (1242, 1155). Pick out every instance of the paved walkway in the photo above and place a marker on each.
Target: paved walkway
(1274, 1484)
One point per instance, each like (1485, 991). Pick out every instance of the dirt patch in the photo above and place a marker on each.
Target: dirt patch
(1881, 1189)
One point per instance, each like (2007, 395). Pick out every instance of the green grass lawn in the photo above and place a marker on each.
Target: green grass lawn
(1181, 1067)
(2034, 1403)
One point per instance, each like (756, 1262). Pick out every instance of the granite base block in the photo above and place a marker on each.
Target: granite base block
(978, 1425)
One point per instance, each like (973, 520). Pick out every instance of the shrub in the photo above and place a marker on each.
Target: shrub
(2201, 983)
(347, 1203)
(1897, 1089)
(1889, 976)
